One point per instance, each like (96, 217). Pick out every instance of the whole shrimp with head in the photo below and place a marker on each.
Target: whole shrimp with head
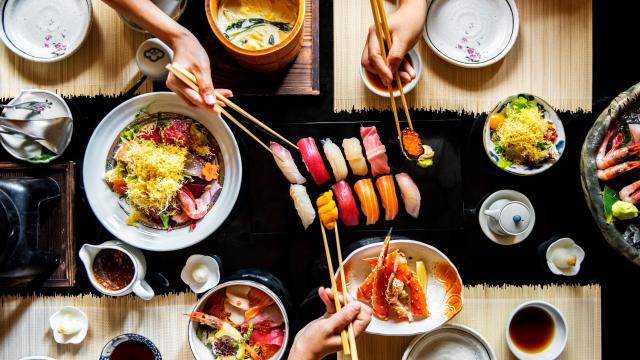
(613, 154)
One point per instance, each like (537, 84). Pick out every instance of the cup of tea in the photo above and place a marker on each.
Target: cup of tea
(130, 346)
(536, 330)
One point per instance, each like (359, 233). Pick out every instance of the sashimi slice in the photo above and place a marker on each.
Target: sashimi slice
(353, 154)
(285, 162)
(336, 160)
(410, 194)
(303, 204)
(387, 191)
(313, 160)
(376, 152)
(347, 209)
(368, 200)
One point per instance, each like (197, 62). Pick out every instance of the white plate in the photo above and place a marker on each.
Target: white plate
(483, 219)
(45, 30)
(471, 33)
(523, 170)
(104, 202)
(19, 146)
(451, 341)
(439, 312)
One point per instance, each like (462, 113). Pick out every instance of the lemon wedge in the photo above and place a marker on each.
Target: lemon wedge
(236, 336)
(421, 271)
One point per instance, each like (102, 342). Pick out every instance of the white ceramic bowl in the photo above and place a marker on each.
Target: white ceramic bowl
(437, 295)
(416, 60)
(524, 170)
(471, 33)
(450, 341)
(561, 333)
(45, 30)
(104, 202)
(173, 8)
(57, 319)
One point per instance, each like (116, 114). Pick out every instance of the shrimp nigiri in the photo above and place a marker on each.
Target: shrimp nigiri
(313, 160)
(346, 203)
(387, 190)
(286, 164)
(376, 152)
(368, 200)
(410, 194)
(336, 160)
(303, 204)
(353, 154)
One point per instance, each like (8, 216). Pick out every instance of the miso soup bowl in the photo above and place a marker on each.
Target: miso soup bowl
(560, 334)
(265, 60)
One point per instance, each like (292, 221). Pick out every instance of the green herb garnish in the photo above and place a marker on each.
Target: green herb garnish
(45, 155)
(164, 216)
(609, 197)
(503, 163)
(243, 25)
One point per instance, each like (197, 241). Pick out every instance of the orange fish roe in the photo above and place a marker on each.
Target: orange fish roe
(411, 142)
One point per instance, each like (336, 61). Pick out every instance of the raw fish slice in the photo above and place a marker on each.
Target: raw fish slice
(285, 162)
(336, 160)
(410, 194)
(387, 190)
(313, 160)
(353, 154)
(368, 200)
(270, 315)
(347, 208)
(376, 152)
(303, 204)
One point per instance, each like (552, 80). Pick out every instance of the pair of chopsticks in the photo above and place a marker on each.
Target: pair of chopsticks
(188, 78)
(348, 341)
(380, 21)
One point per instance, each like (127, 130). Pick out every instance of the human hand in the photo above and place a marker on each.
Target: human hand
(321, 337)
(405, 27)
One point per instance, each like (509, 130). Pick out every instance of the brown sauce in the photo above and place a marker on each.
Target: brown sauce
(113, 269)
(532, 329)
(132, 350)
(377, 83)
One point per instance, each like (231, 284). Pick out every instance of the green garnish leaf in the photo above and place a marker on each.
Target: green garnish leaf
(609, 197)
(503, 163)
(164, 216)
(543, 145)
(45, 155)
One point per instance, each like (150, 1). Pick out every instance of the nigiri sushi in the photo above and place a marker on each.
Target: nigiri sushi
(346, 203)
(410, 194)
(387, 190)
(353, 154)
(368, 200)
(327, 210)
(303, 204)
(313, 160)
(336, 160)
(376, 152)
(286, 164)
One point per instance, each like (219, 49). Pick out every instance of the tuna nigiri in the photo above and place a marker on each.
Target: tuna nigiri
(353, 154)
(313, 160)
(336, 160)
(303, 204)
(286, 164)
(346, 203)
(387, 190)
(368, 200)
(376, 152)
(327, 210)
(410, 194)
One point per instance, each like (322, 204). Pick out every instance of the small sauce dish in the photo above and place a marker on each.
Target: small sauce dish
(373, 83)
(536, 330)
(69, 325)
(201, 273)
(564, 257)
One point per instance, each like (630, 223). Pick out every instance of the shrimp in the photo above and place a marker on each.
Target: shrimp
(206, 319)
(630, 193)
(610, 173)
(197, 208)
(616, 156)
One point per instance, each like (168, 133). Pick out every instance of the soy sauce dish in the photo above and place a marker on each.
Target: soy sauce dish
(536, 330)
(375, 85)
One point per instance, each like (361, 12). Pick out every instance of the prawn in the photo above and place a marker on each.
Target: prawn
(610, 173)
(197, 208)
(630, 193)
(205, 319)
(616, 156)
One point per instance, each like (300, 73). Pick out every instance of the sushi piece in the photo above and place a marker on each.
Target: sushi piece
(353, 154)
(286, 164)
(327, 210)
(346, 203)
(303, 204)
(368, 200)
(313, 160)
(410, 194)
(336, 160)
(376, 152)
(387, 190)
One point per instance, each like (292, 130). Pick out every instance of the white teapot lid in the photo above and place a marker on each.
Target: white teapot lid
(515, 217)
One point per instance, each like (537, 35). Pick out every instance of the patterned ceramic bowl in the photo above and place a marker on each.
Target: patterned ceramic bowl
(116, 341)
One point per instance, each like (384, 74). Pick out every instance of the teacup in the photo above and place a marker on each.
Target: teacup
(536, 330)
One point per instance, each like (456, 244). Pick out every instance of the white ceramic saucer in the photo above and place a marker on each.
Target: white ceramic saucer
(483, 219)
(471, 33)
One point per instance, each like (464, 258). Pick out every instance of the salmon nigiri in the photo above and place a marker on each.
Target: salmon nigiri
(387, 190)
(368, 200)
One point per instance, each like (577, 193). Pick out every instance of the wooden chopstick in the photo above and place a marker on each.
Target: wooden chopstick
(179, 68)
(336, 299)
(345, 295)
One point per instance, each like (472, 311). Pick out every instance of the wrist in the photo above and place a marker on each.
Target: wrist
(306, 353)
(177, 35)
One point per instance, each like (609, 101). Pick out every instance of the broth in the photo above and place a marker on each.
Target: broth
(132, 350)
(532, 329)
(113, 269)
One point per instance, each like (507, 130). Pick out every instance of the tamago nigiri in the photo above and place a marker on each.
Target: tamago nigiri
(286, 164)
(303, 204)
(336, 160)
(368, 200)
(387, 190)
(353, 154)
(410, 194)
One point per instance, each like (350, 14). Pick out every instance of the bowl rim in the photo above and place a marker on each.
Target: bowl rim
(129, 336)
(415, 56)
(461, 327)
(213, 23)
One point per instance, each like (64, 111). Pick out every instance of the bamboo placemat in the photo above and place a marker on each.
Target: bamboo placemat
(104, 65)
(551, 58)
(486, 310)
(25, 331)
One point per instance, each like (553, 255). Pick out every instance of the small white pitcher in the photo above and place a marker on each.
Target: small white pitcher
(508, 217)
(138, 285)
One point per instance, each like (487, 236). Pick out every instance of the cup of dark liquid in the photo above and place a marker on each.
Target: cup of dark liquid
(130, 347)
(537, 330)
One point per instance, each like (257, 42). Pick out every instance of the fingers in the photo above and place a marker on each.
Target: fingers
(205, 85)
(225, 92)
(327, 298)
(344, 317)
(376, 62)
(396, 54)
(362, 320)
(189, 95)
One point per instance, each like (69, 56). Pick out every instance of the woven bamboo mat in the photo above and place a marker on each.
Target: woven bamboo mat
(104, 65)
(486, 310)
(551, 58)
(25, 331)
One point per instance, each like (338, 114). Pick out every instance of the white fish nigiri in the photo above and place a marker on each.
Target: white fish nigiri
(303, 204)
(336, 160)
(353, 154)
(286, 164)
(410, 194)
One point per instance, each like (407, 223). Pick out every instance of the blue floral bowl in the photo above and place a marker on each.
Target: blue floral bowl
(113, 343)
